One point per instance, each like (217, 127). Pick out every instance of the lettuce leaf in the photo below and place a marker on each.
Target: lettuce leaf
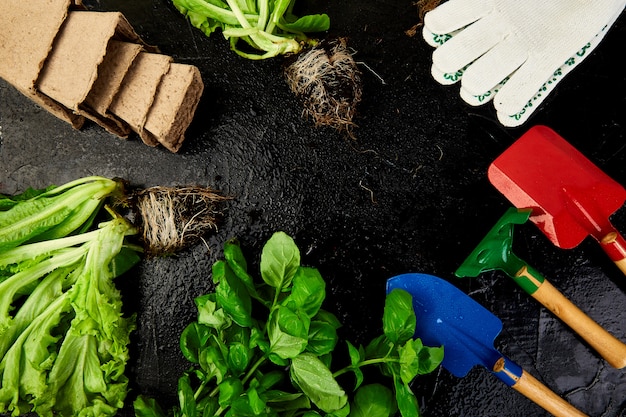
(266, 28)
(63, 336)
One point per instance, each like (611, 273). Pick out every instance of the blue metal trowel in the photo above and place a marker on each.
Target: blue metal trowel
(447, 316)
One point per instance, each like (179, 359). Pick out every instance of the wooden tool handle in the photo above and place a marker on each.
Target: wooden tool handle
(615, 246)
(607, 345)
(534, 390)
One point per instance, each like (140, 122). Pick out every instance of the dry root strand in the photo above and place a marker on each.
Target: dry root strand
(174, 218)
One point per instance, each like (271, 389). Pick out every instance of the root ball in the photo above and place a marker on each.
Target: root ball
(174, 218)
(328, 81)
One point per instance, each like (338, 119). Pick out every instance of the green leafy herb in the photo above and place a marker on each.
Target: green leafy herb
(63, 338)
(265, 347)
(268, 27)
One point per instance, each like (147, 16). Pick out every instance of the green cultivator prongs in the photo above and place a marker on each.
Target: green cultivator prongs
(494, 252)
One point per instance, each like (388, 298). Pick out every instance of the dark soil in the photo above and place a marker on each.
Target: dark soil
(408, 194)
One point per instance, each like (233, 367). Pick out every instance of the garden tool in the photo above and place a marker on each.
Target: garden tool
(570, 197)
(447, 316)
(494, 252)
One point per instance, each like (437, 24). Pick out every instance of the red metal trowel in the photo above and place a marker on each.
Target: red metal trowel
(570, 197)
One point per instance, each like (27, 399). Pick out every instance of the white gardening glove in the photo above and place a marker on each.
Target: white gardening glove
(514, 52)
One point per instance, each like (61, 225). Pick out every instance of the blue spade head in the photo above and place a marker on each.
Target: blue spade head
(449, 317)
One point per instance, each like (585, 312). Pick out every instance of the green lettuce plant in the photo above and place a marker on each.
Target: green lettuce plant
(63, 337)
(268, 27)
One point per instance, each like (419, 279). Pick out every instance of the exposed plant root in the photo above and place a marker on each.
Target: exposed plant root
(423, 7)
(328, 81)
(174, 218)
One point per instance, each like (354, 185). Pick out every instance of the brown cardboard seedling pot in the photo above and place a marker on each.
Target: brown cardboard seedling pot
(118, 59)
(73, 64)
(133, 102)
(174, 106)
(29, 29)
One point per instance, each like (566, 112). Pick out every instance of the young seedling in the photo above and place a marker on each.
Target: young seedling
(324, 75)
(268, 27)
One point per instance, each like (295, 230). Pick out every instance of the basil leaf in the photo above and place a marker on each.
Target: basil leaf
(284, 401)
(270, 379)
(381, 347)
(208, 405)
(317, 382)
(231, 295)
(229, 390)
(308, 291)
(398, 316)
(237, 262)
(378, 347)
(288, 333)
(257, 338)
(327, 317)
(209, 314)
(147, 407)
(407, 403)
(257, 404)
(212, 362)
(342, 412)
(239, 357)
(185, 397)
(374, 400)
(417, 359)
(354, 353)
(193, 339)
(280, 260)
(409, 361)
(236, 333)
(322, 338)
(240, 408)
(430, 358)
(356, 356)
(250, 404)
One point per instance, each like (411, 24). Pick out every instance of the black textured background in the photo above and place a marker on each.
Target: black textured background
(409, 194)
